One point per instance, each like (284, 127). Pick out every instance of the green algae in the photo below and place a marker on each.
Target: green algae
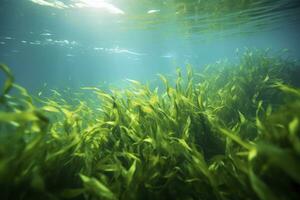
(229, 131)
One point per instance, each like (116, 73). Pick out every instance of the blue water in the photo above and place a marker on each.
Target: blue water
(69, 44)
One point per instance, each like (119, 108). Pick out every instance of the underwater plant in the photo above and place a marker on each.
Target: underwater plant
(229, 131)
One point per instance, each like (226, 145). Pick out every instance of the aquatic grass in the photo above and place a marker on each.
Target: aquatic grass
(229, 131)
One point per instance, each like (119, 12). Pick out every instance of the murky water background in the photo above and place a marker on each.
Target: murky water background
(74, 43)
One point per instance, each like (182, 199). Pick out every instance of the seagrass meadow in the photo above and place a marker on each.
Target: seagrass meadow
(149, 100)
(229, 131)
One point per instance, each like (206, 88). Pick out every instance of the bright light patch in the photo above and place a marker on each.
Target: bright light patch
(153, 11)
(46, 34)
(168, 55)
(51, 3)
(119, 50)
(99, 4)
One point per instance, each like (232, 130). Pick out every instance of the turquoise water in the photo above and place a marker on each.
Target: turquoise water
(219, 119)
(74, 43)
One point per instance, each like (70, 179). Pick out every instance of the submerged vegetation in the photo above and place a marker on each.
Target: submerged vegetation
(230, 131)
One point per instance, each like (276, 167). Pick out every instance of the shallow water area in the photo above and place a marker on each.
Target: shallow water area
(140, 99)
